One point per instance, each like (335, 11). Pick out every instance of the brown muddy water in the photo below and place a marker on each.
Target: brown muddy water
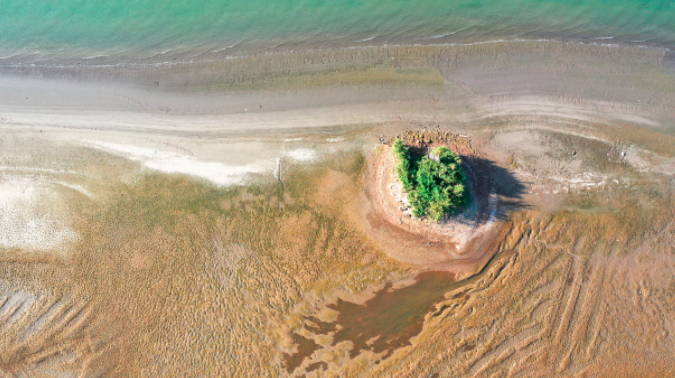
(384, 323)
(391, 318)
(305, 349)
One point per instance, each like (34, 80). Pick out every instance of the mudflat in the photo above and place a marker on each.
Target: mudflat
(237, 216)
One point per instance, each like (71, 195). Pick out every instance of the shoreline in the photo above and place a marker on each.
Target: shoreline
(302, 79)
(79, 62)
(430, 82)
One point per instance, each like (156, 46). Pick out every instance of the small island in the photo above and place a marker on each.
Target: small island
(435, 183)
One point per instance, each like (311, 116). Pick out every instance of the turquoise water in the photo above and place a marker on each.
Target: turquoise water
(124, 30)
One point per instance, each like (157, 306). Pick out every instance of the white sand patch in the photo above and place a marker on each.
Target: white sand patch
(75, 187)
(552, 184)
(26, 218)
(293, 139)
(171, 162)
(333, 140)
(302, 154)
(646, 161)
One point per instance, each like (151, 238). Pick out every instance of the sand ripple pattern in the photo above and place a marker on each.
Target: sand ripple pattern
(45, 335)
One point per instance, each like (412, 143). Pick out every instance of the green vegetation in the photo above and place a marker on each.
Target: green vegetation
(436, 186)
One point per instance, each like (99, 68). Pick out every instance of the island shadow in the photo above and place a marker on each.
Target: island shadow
(487, 178)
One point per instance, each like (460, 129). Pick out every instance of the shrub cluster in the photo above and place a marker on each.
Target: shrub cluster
(436, 185)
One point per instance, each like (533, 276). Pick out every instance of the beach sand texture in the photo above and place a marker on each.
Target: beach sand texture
(219, 219)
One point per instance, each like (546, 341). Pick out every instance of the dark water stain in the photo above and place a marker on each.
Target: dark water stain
(316, 325)
(305, 349)
(468, 347)
(317, 366)
(390, 319)
(569, 281)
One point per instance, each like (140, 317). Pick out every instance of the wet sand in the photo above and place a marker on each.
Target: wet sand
(187, 267)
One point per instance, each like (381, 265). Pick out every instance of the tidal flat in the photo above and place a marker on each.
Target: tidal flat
(235, 217)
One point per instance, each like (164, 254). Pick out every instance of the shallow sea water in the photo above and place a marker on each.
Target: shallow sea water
(159, 30)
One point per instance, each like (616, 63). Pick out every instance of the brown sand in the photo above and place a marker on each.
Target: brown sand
(170, 275)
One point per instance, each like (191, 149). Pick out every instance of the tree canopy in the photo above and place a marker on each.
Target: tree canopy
(435, 184)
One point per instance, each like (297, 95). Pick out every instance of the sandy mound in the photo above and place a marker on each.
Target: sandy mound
(460, 244)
